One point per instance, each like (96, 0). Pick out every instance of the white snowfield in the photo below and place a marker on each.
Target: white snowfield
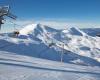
(37, 52)
(17, 67)
(27, 29)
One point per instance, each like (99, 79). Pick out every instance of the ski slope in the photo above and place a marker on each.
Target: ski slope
(17, 67)
(37, 52)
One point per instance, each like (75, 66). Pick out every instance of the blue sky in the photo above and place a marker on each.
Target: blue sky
(81, 12)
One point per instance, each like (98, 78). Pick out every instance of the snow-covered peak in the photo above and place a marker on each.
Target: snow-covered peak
(27, 29)
(73, 31)
(31, 28)
(36, 28)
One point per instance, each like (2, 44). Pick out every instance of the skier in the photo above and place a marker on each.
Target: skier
(16, 33)
(1, 21)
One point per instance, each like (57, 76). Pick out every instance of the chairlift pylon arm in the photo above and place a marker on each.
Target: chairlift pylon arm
(12, 16)
(4, 11)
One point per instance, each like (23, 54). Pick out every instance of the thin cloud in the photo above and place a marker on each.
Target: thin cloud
(57, 24)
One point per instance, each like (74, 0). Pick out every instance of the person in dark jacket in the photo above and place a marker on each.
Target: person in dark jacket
(16, 33)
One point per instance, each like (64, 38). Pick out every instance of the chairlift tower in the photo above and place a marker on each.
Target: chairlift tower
(62, 54)
(5, 11)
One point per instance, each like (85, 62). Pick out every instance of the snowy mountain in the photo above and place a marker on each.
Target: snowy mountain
(45, 48)
(73, 40)
(91, 31)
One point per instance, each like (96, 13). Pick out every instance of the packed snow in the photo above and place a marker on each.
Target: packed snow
(40, 52)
